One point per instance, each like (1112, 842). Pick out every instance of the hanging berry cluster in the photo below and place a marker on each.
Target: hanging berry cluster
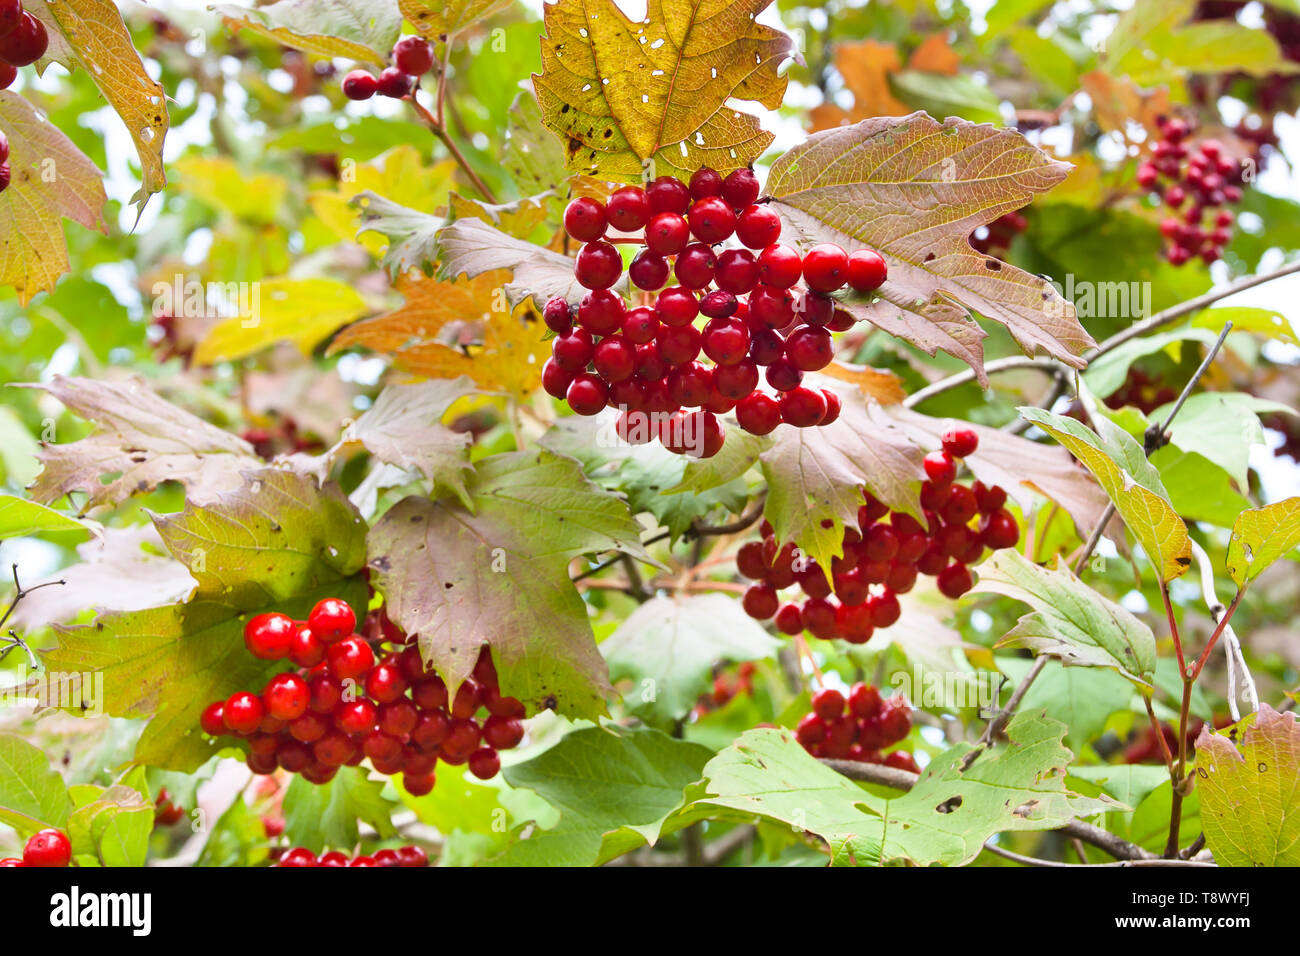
(858, 728)
(412, 58)
(1195, 180)
(343, 704)
(645, 359)
(23, 41)
(726, 688)
(402, 856)
(883, 555)
(48, 848)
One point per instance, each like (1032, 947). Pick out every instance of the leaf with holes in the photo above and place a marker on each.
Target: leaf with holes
(1260, 537)
(1133, 485)
(668, 647)
(449, 17)
(944, 819)
(497, 574)
(277, 543)
(141, 441)
(815, 477)
(34, 252)
(1250, 792)
(363, 30)
(621, 94)
(1070, 621)
(91, 34)
(915, 189)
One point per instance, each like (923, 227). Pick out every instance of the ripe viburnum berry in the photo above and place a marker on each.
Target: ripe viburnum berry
(360, 85)
(48, 848)
(867, 270)
(331, 620)
(413, 55)
(269, 636)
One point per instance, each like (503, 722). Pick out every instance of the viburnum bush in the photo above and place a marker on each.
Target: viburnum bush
(712, 434)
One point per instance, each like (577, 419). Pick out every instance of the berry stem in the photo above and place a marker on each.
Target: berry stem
(435, 124)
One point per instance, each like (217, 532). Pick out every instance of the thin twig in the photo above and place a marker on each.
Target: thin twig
(1035, 861)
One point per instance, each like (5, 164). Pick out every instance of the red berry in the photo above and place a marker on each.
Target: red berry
(740, 188)
(720, 305)
(462, 740)
(758, 414)
(802, 407)
(332, 620)
(783, 376)
(298, 856)
(789, 619)
(677, 306)
(711, 220)
(770, 307)
(758, 227)
(811, 731)
(695, 266)
(503, 733)
(779, 266)
(356, 718)
(867, 270)
(305, 649)
(243, 712)
(940, 468)
(286, 696)
(885, 609)
(679, 344)
(386, 683)
(418, 785)
(399, 718)
(833, 407)
(584, 219)
(485, 763)
(765, 346)
(555, 380)
(705, 182)
(648, 270)
(825, 267)
(212, 720)
(8, 73)
(667, 194)
(960, 442)
(814, 308)
(412, 856)
(269, 637)
(627, 209)
(760, 601)
(864, 701)
(737, 271)
(999, 530)
(599, 265)
(350, 658)
(667, 234)
(841, 321)
(854, 622)
(809, 349)
(640, 325)
(587, 394)
(413, 55)
(726, 341)
(393, 83)
(614, 359)
(954, 581)
(828, 703)
(819, 616)
(734, 382)
(26, 43)
(960, 506)
(360, 85)
(601, 311)
(572, 352)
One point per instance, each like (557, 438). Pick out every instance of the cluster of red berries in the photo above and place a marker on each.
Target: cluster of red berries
(883, 555)
(281, 435)
(1143, 391)
(996, 237)
(726, 688)
(47, 848)
(412, 58)
(165, 812)
(344, 704)
(402, 856)
(23, 40)
(1193, 180)
(857, 728)
(645, 360)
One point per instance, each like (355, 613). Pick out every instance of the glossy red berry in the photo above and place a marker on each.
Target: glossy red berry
(954, 581)
(705, 182)
(867, 270)
(269, 637)
(26, 43)
(572, 352)
(999, 530)
(360, 85)
(555, 380)
(598, 266)
(779, 266)
(737, 271)
(758, 227)
(740, 188)
(667, 234)
(349, 659)
(394, 83)
(825, 267)
(640, 325)
(286, 696)
(413, 55)
(758, 413)
(960, 442)
(726, 341)
(940, 468)
(711, 220)
(802, 407)
(627, 209)
(412, 856)
(298, 856)
(864, 701)
(789, 619)
(587, 394)
(784, 376)
(734, 382)
(828, 703)
(485, 763)
(558, 315)
(809, 349)
(677, 306)
(695, 266)
(386, 683)
(243, 712)
(212, 720)
(8, 73)
(760, 601)
(679, 344)
(503, 733)
(667, 194)
(648, 271)
(356, 718)
(833, 407)
(614, 358)
(584, 219)
(332, 620)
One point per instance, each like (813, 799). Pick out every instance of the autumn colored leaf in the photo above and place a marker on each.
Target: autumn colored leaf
(1119, 104)
(518, 219)
(884, 387)
(302, 311)
(865, 67)
(363, 30)
(462, 327)
(91, 34)
(934, 55)
(1260, 536)
(472, 247)
(52, 181)
(218, 181)
(619, 93)
(915, 189)
(141, 441)
(449, 17)
(532, 156)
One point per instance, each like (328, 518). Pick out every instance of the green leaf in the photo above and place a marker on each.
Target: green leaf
(1250, 793)
(603, 780)
(1070, 621)
(114, 826)
(1198, 489)
(325, 815)
(1266, 322)
(238, 838)
(1128, 783)
(412, 235)
(20, 517)
(1260, 537)
(1133, 485)
(498, 575)
(32, 795)
(944, 819)
(532, 156)
(1106, 373)
(1082, 698)
(940, 95)
(171, 661)
(363, 30)
(1221, 426)
(668, 647)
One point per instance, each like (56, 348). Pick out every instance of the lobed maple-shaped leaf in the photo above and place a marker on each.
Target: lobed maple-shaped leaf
(446, 18)
(497, 574)
(1250, 791)
(363, 30)
(52, 180)
(92, 35)
(915, 189)
(141, 441)
(621, 95)
(279, 542)
(944, 819)
(412, 234)
(815, 477)
(462, 327)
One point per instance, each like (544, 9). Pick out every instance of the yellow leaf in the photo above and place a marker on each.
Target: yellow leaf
(462, 327)
(518, 219)
(399, 175)
(1118, 102)
(219, 182)
(91, 34)
(363, 30)
(884, 387)
(448, 17)
(619, 93)
(301, 311)
(1261, 536)
(33, 252)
